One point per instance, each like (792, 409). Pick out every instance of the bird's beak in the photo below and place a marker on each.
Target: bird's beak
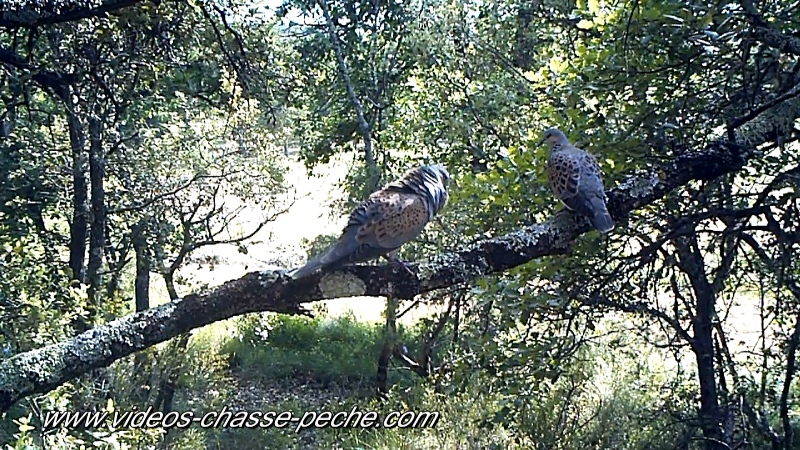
(540, 143)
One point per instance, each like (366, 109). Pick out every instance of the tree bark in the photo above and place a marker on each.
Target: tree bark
(34, 14)
(79, 225)
(702, 343)
(141, 291)
(97, 236)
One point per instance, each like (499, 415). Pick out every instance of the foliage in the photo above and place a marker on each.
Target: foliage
(130, 140)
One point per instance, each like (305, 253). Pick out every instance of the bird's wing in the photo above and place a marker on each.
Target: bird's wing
(386, 220)
(591, 199)
(402, 218)
(378, 226)
(590, 170)
(353, 245)
(564, 172)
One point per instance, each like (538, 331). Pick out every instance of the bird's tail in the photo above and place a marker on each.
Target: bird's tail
(600, 218)
(307, 270)
(344, 251)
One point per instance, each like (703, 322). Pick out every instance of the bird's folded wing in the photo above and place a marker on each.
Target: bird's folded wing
(402, 217)
(591, 166)
(565, 173)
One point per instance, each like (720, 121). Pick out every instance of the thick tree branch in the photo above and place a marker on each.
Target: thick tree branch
(55, 81)
(764, 33)
(34, 14)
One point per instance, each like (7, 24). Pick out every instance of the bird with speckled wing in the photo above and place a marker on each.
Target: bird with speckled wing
(576, 180)
(389, 218)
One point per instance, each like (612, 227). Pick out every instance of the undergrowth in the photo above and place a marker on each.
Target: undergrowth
(265, 362)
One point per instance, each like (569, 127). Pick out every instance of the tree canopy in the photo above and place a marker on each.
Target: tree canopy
(135, 133)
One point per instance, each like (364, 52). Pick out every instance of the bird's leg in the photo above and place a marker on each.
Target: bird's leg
(394, 259)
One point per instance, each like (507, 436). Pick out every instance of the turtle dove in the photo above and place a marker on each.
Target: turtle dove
(389, 218)
(576, 180)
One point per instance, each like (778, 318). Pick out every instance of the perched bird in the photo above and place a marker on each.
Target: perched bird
(576, 180)
(389, 218)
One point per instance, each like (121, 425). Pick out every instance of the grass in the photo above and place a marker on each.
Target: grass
(299, 364)
(325, 350)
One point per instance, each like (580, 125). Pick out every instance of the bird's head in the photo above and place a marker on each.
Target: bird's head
(553, 137)
(439, 172)
(435, 181)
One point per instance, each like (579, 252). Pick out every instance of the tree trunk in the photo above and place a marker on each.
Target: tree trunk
(170, 282)
(142, 283)
(523, 47)
(709, 401)
(389, 345)
(692, 264)
(97, 236)
(78, 226)
(141, 289)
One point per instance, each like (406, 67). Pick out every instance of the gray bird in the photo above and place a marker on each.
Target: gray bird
(389, 218)
(576, 180)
